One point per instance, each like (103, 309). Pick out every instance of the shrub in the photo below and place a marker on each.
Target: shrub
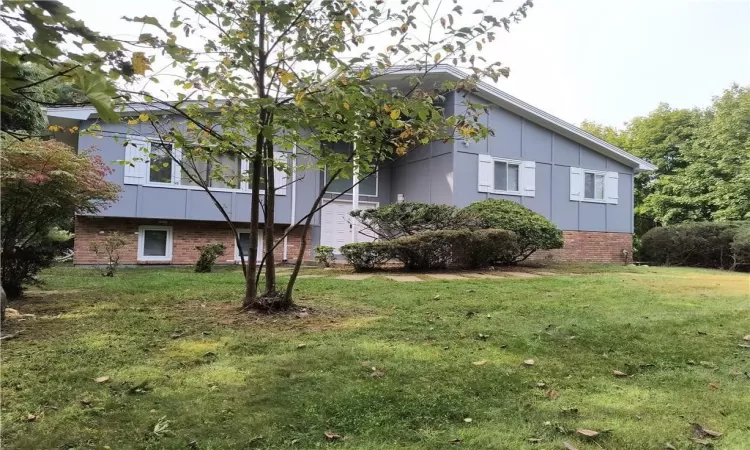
(209, 253)
(110, 248)
(532, 230)
(324, 255)
(741, 247)
(409, 218)
(460, 249)
(43, 184)
(367, 255)
(699, 244)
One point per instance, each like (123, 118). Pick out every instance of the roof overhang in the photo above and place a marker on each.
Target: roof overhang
(523, 109)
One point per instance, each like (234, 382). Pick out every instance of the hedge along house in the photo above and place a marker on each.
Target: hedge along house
(581, 183)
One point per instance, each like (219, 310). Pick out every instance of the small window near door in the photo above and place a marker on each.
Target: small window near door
(593, 186)
(506, 176)
(245, 245)
(154, 243)
(160, 170)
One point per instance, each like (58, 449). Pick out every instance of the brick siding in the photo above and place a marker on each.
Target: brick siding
(590, 246)
(186, 235)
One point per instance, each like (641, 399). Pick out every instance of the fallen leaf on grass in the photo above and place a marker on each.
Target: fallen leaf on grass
(534, 440)
(483, 337)
(713, 386)
(480, 363)
(552, 394)
(619, 374)
(743, 345)
(669, 446)
(587, 433)
(377, 374)
(177, 334)
(529, 362)
(332, 436)
(301, 346)
(31, 418)
(468, 420)
(101, 379)
(702, 431)
(746, 337)
(456, 441)
(568, 446)
(541, 385)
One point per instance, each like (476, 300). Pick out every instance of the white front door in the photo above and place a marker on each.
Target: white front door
(336, 224)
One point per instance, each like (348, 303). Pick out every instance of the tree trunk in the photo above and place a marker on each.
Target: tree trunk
(251, 287)
(3, 304)
(270, 200)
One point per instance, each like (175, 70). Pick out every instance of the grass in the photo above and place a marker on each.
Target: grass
(186, 370)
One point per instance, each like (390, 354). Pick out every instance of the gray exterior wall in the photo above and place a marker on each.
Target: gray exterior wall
(518, 138)
(179, 203)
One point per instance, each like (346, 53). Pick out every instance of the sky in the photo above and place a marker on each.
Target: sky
(601, 60)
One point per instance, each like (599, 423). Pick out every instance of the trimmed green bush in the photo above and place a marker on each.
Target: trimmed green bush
(209, 253)
(324, 255)
(698, 244)
(533, 231)
(458, 249)
(409, 218)
(367, 255)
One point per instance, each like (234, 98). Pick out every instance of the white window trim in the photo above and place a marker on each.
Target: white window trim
(604, 186)
(377, 184)
(142, 239)
(237, 249)
(520, 176)
(177, 176)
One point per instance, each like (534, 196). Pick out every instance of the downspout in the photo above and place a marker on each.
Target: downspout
(355, 193)
(293, 220)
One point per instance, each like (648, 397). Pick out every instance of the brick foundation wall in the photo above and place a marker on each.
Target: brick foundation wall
(186, 235)
(590, 246)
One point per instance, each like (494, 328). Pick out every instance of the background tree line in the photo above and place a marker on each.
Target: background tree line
(702, 158)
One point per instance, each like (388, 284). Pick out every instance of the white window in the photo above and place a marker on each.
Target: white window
(245, 244)
(154, 243)
(507, 176)
(594, 186)
(367, 187)
(159, 169)
(161, 166)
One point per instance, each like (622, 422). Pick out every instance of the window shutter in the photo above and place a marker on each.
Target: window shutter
(485, 173)
(137, 167)
(281, 178)
(528, 178)
(244, 168)
(576, 184)
(611, 187)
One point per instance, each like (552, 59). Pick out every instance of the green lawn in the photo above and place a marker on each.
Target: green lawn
(383, 364)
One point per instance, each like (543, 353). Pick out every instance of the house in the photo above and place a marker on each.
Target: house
(581, 183)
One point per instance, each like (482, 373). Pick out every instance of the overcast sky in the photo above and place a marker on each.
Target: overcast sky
(603, 60)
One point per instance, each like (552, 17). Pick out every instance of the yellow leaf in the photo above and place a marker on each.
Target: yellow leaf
(133, 122)
(241, 35)
(387, 108)
(140, 63)
(372, 124)
(143, 117)
(395, 114)
(188, 85)
(354, 11)
(286, 77)
(191, 126)
(300, 95)
(346, 106)
(437, 57)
